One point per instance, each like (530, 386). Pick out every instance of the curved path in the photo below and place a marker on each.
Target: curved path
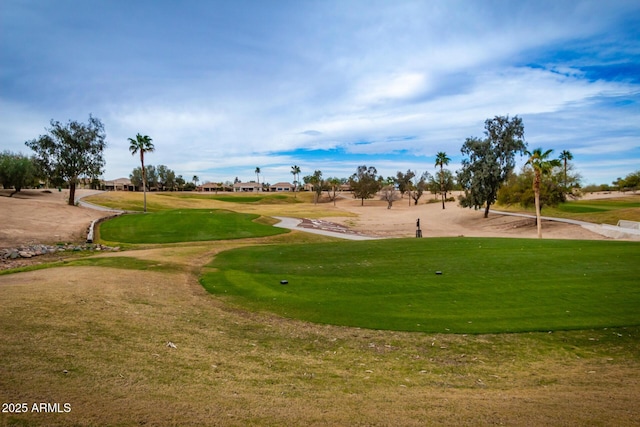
(606, 230)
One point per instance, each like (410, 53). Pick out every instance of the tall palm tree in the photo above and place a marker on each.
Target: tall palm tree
(442, 160)
(295, 171)
(195, 180)
(541, 165)
(142, 144)
(258, 174)
(565, 156)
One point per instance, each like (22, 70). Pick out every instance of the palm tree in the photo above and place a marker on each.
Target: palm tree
(258, 174)
(195, 180)
(442, 160)
(541, 165)
(565, 156)
(295, 171)
(143, 145)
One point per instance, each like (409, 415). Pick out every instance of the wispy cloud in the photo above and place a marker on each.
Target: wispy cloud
(224, 87)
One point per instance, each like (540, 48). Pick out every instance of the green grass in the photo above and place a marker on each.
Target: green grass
(604, 205)
(486, 286)
(184, 225)
(605, 211)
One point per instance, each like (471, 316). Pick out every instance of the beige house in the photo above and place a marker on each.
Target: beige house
(281, 186)
(213, 187)
(247, 187)
(120, 184)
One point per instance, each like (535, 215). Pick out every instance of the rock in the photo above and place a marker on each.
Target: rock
(36, 249)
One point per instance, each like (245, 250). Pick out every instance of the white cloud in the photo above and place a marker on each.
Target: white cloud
(413, 76)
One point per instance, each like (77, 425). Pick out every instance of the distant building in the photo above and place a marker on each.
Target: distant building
(120, 184)
(247, 187)
(281, 186)
(213, 187)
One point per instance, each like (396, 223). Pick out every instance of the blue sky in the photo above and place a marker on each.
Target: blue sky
(224, 87)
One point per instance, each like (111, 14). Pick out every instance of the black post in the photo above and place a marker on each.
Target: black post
(418, 231)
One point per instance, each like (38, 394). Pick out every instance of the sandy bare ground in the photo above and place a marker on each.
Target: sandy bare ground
(43, 216)
(400, 221)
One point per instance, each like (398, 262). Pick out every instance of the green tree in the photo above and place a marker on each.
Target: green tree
(166, 178)
(332, 186)
(445, 182)
(195, 180)
(317, 182)
(403, 181)
(518, 189)
(180, 182)
(151, 175)
(442, 160)
(295, 171)
(71, 152)
(364, 183)
(418, 186)
(490, 161)
(630, 182)
(565, 156)
(258, 175)
(142, 144)
(17, 171)
(541, 165)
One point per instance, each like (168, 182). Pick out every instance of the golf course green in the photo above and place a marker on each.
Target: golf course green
(184, 225)
(457, 285)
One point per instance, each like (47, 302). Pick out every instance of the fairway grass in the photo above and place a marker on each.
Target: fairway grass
(185, 225)
(486, 285)
(599, 211)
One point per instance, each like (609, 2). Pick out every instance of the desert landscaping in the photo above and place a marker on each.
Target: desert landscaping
(42, 216)
(132, 338)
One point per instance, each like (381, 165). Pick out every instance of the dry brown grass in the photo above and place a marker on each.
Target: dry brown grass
(302, 207)
(108, 329)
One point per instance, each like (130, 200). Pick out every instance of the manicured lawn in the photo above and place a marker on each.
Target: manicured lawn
(184, 225)
(486, 285)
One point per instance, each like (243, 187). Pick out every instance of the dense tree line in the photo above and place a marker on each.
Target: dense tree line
(630, 182)
(160, 178)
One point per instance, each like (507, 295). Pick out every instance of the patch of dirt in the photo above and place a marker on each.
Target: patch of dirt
(43, 216)
(400, 221)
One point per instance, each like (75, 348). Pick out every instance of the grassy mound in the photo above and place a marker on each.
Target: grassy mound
(486, 285)
(188, 225)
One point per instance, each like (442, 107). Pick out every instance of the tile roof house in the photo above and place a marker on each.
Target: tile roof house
(120, 184)
(213, 187)
(281, 186)
(247, 187)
